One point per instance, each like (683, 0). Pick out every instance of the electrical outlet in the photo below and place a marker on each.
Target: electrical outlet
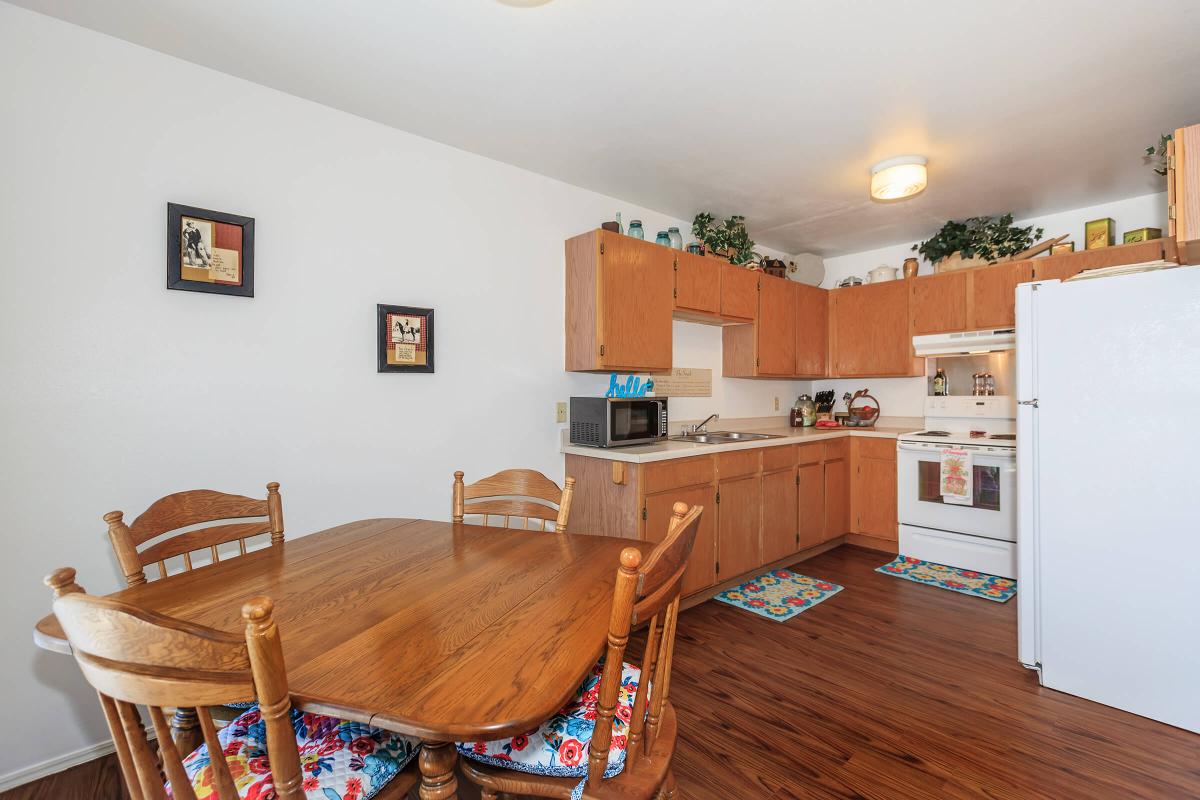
(560, 412)
(776, 403)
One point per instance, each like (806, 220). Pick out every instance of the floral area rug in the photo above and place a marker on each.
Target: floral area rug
(979, 584)
(779, 595)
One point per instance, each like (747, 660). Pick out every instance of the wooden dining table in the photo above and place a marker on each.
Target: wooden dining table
(446, 632)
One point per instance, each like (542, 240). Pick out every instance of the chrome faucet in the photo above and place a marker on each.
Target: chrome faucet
(703, 426)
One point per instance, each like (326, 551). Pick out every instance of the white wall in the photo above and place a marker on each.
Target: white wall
(905, 397)
(118, 391)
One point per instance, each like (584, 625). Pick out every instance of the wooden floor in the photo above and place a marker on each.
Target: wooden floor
(888, 690)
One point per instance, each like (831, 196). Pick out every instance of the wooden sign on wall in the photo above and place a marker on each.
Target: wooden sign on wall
(683, 382)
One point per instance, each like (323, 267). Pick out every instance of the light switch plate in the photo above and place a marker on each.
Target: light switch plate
(560, 412)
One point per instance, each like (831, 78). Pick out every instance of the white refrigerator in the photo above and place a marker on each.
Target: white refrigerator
(1108, 490)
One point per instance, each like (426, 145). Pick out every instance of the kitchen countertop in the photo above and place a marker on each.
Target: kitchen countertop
(887, 428)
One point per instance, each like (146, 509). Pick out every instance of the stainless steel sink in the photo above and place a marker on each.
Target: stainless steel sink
(741, 437)
(700, 438)
(723, 437)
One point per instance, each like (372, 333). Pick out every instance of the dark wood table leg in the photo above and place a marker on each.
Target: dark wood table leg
(185, 730)
(437, 761)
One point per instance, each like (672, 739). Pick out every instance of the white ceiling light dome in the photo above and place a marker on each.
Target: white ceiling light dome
(899, 178)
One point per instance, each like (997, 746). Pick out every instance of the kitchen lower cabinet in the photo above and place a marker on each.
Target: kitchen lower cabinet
(702, 566)
(810, 497)
(873, 493)
(761, 504)
(780, 535)
(837, 493)
(739, 546)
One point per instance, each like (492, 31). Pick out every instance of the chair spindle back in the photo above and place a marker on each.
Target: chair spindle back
(133, 656)
(185, 509)
(521, 494)
(648, 590)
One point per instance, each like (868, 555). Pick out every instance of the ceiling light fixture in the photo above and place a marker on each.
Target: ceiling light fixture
(523, 3)
(899, 178)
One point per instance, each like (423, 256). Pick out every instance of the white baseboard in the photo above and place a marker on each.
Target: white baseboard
(52, 765)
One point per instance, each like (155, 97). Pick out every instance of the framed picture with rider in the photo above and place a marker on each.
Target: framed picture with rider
(209, 251)
(405, 336)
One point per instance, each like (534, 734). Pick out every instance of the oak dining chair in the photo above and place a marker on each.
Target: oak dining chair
(615, 738)
(135, 657)
(185, 510)
(514, 494)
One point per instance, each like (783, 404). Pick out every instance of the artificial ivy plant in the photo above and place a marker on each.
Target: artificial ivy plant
(729, 236)
(982, 237)
(1158, 155)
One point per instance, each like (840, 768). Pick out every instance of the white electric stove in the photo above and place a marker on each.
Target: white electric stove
(980, 534)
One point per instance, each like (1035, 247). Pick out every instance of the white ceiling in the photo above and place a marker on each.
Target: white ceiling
(770, 108)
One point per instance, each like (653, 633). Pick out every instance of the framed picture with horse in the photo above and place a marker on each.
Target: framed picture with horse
(405, 338)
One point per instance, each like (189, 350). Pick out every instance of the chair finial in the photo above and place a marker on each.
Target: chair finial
(62, 581)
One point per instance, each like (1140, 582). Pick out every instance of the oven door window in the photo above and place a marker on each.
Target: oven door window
(637, 420)
(986, 485)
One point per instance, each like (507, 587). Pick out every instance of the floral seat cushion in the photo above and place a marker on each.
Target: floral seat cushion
(559, 746)
(339, 760)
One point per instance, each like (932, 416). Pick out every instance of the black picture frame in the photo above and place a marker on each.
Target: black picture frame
(175, 280)
(383, 341)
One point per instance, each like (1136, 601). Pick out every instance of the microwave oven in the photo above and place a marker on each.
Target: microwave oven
(618, 421)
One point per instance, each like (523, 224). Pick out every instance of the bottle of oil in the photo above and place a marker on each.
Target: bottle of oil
(941, 384)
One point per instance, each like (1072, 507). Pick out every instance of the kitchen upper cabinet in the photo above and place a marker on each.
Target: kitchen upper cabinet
(619, 303)
(780, 536)
(873, 490)
(837, 492)
(702, 565)
(812, 330)
(938, 303)
(1183, 193)
(775, 331)
(739, 547)
(697, 283)
(739, 292)
(810, 500)
(992, 294)
(869, 332)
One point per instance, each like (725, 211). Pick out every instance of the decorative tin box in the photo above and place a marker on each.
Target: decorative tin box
(1099, 233)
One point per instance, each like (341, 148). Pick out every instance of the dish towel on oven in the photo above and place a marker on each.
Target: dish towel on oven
(956, 476)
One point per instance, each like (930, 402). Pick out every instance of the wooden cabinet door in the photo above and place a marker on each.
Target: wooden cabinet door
(697, 283)
(739, 292)
(811, 504)
(739, 516)
(779, 534)
(702, 566)
(812, 330)
(876, 489)
(992, 294)
(938, 303)
(635, 304)
(869, 331)
(1060, 267)
(776, 327)
(837, 499)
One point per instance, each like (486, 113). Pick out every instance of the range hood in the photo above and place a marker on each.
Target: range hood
(966, 343)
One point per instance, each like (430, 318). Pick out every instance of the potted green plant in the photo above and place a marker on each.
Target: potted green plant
(977, 241)
(729, 239)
